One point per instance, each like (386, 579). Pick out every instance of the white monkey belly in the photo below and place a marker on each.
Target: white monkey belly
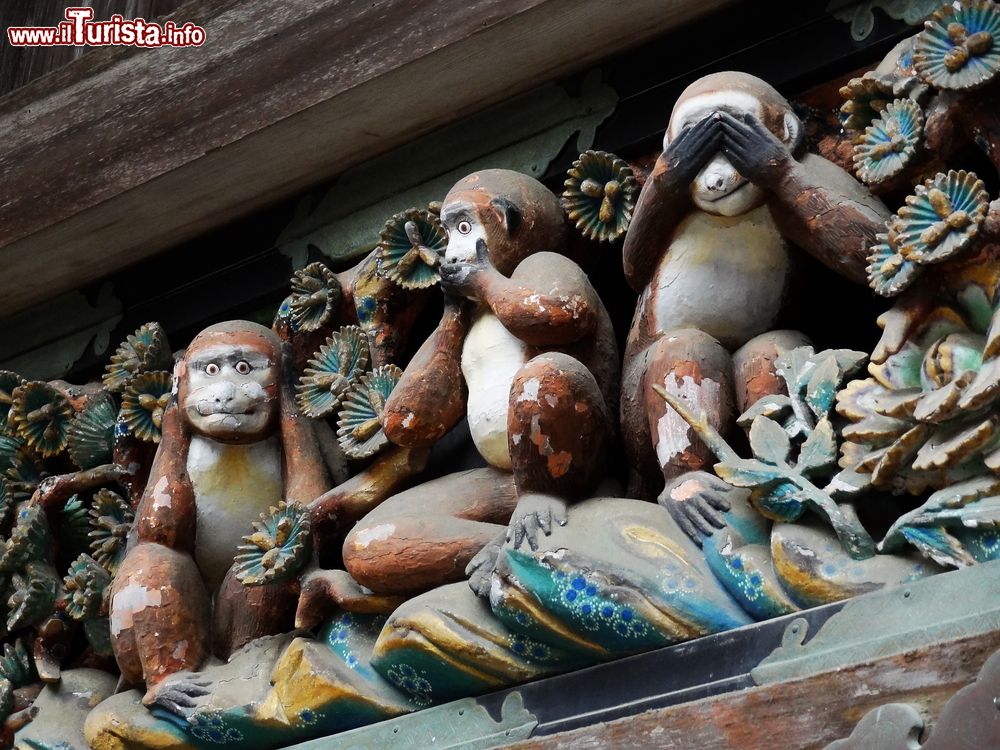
(723, 275)
(491, 358)
(233, 485)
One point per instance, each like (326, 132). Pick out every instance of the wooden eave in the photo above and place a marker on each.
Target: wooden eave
(125, 152)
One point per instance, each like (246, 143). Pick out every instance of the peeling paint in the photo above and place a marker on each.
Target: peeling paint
(161, 498)
(558, 464)
(374, 534)
(529, 391)
(671, 430)
(130, 601)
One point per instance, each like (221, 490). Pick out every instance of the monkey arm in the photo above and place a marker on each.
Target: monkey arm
(306, 477)
(166, 514)
(540, 311)
(661, 206)
(348, 502)
(430, 397)
(665, 198)
(827, 213)
(815, 203)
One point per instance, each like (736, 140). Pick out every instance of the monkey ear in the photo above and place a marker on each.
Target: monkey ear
(792, 135)
(509, 213)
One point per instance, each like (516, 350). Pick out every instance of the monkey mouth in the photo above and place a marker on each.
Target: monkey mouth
(212, 410)
(734, 188)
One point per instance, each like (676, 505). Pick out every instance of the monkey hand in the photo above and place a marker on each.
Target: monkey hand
(469, 279)
(690, 151)
(696, 501)
(480, 567)
(534, 513)
(753, 150)
(178, 695)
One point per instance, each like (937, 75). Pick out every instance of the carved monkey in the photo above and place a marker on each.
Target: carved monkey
(233, 444)
(708, 251)
(526, 351)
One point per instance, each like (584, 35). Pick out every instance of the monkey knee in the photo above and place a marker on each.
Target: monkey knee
(558, 427)
(159, 614)
(696, 369)
(754, 368)
(674, 349)
(693, 366)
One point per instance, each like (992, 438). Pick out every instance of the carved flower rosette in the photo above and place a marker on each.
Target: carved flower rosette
(890, 142)
(411, 248)
(959, 47)
(600, 195)
(939, 221)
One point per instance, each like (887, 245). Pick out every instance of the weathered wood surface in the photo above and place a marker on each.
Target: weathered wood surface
(803, 714)
(126, 151)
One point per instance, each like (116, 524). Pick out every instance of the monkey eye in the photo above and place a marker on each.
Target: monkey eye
(464, 227)
(211, 369)
(242, 367)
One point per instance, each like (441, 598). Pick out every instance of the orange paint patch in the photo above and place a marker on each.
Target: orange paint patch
(685, 369)
(559, 463)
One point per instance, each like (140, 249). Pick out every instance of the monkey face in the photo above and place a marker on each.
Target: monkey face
(228, 391)
(464, 227)
(514, 214)
(718, 188)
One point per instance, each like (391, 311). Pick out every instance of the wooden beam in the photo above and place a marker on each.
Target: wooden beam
(125, 152)
(806, 714)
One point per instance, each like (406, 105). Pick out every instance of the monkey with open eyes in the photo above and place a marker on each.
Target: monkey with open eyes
(526, 352)
(708, 252)
(233, 445)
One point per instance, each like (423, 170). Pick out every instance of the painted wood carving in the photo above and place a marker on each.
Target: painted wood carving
(435, 474)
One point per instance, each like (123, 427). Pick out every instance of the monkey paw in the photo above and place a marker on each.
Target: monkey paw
(480, 567)
(178, 695)
(696, 501)
(535, 513)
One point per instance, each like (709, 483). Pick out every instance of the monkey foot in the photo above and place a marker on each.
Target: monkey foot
(326, 591)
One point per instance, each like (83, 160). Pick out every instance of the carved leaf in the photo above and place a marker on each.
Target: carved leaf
(898, 456)
(947, 447)
(769, 442)
(773, 407)
(983, 512)
(941, 404)
(898, 404)
(821, 392)
(819, 451)
(984, 388)
(747, 472)
(937, 544)
(962, 493)
(876, 430)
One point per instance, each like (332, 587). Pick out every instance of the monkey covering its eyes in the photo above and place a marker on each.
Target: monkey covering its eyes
(708, 252)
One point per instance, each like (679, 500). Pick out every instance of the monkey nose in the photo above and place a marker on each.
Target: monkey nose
(716, 181)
